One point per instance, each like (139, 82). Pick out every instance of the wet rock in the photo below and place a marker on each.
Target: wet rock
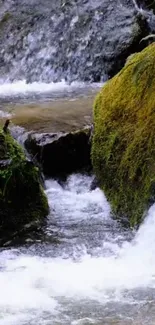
(22, 200)
(94, 184)
(123, 153)
(72, 40)
(61, 153)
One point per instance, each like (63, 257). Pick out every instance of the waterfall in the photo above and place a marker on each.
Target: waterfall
(71, 41)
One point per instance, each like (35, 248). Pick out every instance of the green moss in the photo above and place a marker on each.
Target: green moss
(5, 18)
(22, 198)
(123, 150)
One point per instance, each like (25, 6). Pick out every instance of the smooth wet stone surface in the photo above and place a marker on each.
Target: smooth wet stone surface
(59, 154)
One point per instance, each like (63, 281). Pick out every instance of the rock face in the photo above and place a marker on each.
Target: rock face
(72, 40)
(22, 199)
(123, 152)
(62, 153)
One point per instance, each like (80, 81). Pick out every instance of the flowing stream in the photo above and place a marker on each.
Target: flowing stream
(84, 267)
(94, 272)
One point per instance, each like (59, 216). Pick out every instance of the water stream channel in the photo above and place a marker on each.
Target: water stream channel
(85, 268)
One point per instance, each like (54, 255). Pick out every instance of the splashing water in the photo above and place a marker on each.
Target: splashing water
(135, 5)
(94, 274)
(23, 88)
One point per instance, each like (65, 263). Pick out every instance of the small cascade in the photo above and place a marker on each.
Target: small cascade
(95, 273)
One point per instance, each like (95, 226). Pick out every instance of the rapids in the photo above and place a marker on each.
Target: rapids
(84, 267)
(95, 272)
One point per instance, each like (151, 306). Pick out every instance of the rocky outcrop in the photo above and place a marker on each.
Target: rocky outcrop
(22, 199)
(123, 152)
(72, 40)
(61, 153)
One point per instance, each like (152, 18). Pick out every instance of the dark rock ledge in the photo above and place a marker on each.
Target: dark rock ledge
(60, 154)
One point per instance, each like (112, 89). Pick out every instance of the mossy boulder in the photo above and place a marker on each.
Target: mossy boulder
(22, 199)
(123, 149)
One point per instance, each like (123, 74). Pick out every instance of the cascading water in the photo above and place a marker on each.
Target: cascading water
(95, 273)
(71, 40)
(84, 268)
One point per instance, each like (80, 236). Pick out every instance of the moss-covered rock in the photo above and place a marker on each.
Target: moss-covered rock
(123, 150)
(22, 199)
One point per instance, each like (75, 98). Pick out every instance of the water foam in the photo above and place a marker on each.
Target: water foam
(41, 284)
(102, 278)
(21, 296)
(22, 88)
(4, 114)
(75, 201)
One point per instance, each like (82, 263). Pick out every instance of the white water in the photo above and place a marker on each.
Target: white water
(18, 88)
(4, 114)
(94, 275)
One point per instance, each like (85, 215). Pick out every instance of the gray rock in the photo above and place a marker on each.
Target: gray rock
(73, 40)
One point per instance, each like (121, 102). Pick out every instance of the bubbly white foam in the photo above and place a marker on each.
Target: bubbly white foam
(76, 201)
(4, 114)
(33, 284)
(23, 88)
(22, 296)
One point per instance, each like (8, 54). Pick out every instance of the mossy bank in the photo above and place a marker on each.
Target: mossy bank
(123, 149)
(22, 199)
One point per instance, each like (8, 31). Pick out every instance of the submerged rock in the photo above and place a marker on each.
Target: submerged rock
(123, 153)
(22, 199)
(61, 153)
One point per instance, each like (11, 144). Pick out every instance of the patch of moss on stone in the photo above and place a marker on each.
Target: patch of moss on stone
(123, 149)
(5, 18)
(22, 198)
